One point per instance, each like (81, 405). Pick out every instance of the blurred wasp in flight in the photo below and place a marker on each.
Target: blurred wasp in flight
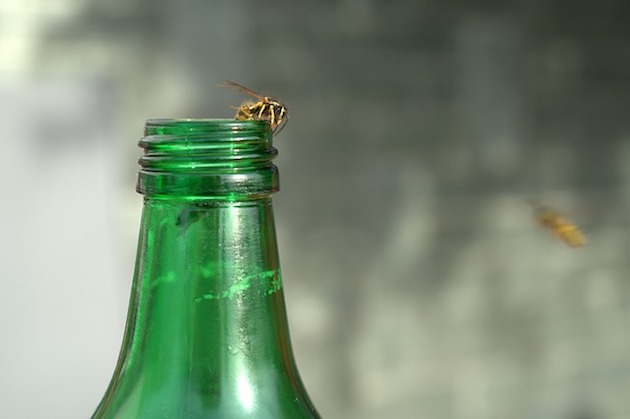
(563, 228)
(266, 109)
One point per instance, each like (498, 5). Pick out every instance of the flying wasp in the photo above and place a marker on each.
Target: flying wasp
(266, 109)
(563, 228)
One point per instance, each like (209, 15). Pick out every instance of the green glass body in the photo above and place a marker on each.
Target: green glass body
(207, 333)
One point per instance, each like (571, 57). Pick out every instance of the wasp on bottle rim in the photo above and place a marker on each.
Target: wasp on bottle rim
(265, 109)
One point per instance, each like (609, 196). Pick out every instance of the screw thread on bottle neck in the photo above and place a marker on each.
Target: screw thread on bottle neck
(207, 159)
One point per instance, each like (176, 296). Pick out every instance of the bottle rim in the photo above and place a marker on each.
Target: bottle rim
(207, 157)
(204, 124)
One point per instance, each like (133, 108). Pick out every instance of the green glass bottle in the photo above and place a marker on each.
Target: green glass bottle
(207, 333)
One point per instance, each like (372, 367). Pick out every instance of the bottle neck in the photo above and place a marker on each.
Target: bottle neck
(207, 316)
(207, 333)
(208, 277)
(207, 160)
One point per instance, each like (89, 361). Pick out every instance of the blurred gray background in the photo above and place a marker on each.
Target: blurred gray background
(418, 283)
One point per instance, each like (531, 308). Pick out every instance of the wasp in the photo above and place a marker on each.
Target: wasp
(563, 228)
(266, 109)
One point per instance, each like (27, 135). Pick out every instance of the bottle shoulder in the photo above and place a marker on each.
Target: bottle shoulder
(247, 404)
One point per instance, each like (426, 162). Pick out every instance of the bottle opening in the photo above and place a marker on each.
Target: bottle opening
(207, 158)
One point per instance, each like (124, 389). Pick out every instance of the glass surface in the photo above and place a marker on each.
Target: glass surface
(207, 333)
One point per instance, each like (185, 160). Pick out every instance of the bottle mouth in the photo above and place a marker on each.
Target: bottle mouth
(207, 158)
